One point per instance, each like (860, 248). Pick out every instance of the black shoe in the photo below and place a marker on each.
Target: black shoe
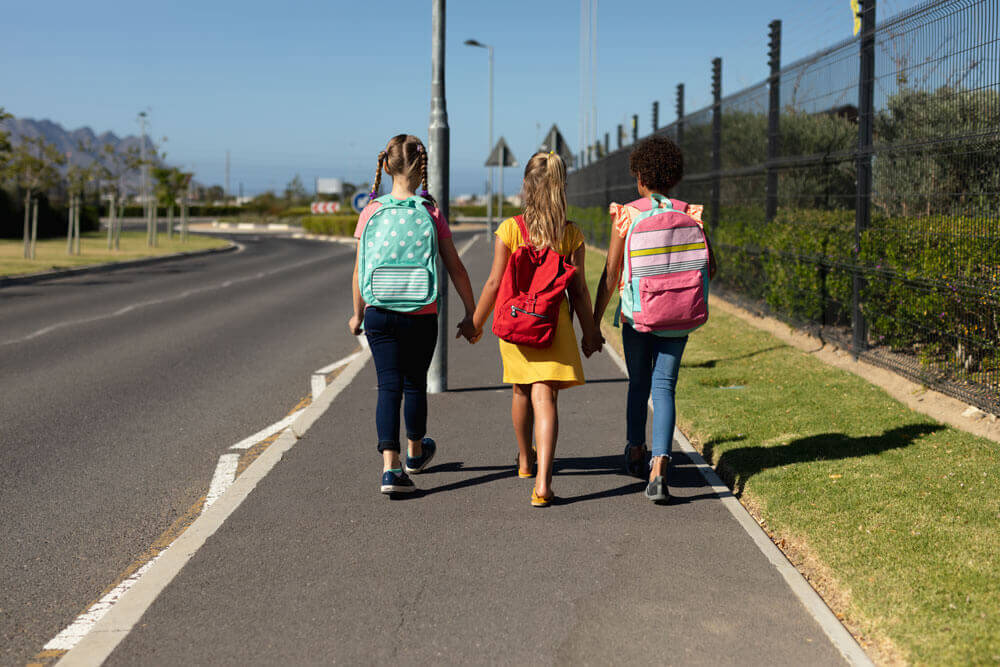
(636, 467)
(415, 464)
(396, 481)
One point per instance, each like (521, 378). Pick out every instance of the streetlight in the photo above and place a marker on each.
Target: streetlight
(489, 148)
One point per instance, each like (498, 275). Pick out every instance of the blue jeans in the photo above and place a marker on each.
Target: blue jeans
(402, 345)
(653, 363)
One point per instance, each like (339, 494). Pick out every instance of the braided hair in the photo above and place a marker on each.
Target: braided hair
(404, 157)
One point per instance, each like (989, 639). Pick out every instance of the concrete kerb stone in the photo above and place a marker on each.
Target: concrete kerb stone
(110, 266)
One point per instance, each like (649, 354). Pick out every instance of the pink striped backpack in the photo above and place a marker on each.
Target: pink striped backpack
(666, 273)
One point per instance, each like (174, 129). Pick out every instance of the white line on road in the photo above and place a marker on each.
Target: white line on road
(225, 475)
(112, 622)
(152, 302)
(266, 432)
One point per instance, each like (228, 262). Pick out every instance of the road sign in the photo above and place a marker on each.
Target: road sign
(554, 141)
(359, 201)
(321, 207)
(501, 156)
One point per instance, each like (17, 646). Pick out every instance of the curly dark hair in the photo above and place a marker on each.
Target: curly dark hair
(658, 163)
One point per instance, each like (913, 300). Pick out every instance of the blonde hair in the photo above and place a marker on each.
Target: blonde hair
(404, 157)
(544, 193)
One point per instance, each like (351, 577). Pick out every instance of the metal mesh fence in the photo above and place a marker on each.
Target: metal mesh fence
(870, 216)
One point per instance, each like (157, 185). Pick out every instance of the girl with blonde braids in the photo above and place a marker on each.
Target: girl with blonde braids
(538, 374)
(402, 343)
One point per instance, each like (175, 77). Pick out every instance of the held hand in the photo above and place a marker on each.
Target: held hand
(354, 325)
(467, 329)
(591, 344)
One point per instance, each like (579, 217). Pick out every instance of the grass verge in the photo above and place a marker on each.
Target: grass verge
(51, 253)
(893, 517)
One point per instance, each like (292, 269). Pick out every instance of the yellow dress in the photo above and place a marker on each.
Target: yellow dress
(560, 362)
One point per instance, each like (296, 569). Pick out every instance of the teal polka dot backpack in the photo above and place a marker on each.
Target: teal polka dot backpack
(397, 267)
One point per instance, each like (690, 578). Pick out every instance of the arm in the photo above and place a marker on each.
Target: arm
(460, 277)
(580, 302)
(501, 255)
(611, 277)
(354, 324)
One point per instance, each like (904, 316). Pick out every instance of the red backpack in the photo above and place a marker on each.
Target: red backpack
(531, 292)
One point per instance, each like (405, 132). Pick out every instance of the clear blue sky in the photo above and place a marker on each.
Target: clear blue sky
(316, 88)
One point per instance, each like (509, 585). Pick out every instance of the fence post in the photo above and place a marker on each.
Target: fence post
(773, 120)
(607, 143)
(656, 116)
(619, 135)
(680, 115)
(635, 128)
(713, 219)
(862, 205)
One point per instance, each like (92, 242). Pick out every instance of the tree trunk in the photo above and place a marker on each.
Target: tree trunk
(69, 225)
(27, 222)
(111, 221)
(155, 226)
(34, 228)
(184, 221)
(170, 223)
(76, 229)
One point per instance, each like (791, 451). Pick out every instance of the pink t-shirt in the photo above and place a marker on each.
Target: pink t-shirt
(440, 224)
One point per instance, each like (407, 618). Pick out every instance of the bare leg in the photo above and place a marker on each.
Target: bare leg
(415, 447)
(524, 420)
(544, 401)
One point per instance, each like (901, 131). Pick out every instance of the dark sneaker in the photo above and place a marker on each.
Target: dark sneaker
(657, 490)
(415, 464)
(396, 481)
(636, 466)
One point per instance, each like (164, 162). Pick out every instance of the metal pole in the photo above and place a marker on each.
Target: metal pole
(635, 128)
(619, 135)
(437, 181)
(489, 202)
(680, 115)
(503, 157)
(656, 116)
(862, 209)
(773, 121)
(716, 140)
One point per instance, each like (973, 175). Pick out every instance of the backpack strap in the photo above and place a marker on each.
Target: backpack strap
(525, 237)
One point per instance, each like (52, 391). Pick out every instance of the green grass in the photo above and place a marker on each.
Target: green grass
(51, 253)
(901, 512)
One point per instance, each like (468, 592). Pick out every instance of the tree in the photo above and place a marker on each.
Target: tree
(116, 168)
(34, 167)
(5, 146)
(295, 192)
(171, 183)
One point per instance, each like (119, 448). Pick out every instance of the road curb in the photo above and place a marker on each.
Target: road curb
(31, 278)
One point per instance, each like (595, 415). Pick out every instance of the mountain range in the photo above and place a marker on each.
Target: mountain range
(68, 142)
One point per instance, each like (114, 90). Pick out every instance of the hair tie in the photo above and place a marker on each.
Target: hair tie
(420, 148)
(424, 193)
(551, 152)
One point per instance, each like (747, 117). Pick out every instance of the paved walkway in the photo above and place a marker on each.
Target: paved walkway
(317, 567)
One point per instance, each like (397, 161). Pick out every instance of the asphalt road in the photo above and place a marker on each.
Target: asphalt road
(118, 393)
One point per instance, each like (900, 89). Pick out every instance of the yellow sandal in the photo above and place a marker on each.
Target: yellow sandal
(526, 474)
(540, 501)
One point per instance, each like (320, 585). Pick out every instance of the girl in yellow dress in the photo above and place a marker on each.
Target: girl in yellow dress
(539, 373)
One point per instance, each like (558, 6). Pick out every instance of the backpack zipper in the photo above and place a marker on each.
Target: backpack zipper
(514, 310)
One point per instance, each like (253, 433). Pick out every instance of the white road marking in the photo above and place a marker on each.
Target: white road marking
(835, 631)
(266, 432)
(226, 493)
(79, 628)
(152, 302)
(225, 475)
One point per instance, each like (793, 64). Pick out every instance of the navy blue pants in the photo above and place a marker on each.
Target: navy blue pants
(402, 346)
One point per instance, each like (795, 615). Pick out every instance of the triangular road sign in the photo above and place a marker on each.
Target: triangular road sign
(554, 141)
(501, 156)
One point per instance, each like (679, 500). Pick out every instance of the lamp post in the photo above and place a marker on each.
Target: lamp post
(489, 147)
(437, 182)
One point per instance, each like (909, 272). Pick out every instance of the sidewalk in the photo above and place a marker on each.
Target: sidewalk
(317, 567)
